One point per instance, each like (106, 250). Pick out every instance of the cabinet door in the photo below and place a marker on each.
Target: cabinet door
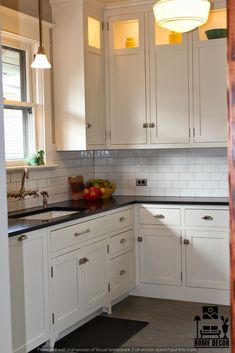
(127, 84)
(67, 287)
(169, 80)
(122, 274)
(29, 290)
(94, 81)
(210, 89)
(207, 259)
(160, 256)
(95, 275)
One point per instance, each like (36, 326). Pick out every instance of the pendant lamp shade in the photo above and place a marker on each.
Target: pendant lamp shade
(181, 15)
(40, 59)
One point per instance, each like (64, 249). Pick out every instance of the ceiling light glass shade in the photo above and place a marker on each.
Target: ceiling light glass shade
(181, 15)
(40, 62)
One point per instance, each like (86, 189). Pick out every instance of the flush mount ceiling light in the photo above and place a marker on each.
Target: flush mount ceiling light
(40, 60)
(181, 15)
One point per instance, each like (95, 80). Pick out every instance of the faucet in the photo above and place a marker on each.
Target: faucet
(22, 193)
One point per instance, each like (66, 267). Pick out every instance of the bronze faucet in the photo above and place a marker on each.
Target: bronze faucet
(22, 193)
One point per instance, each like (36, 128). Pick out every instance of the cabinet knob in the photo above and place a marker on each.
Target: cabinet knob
(122, 219)
(122, 241)
(145, 125)
(159, 216)
(88, 125)
(81, 233)
(122, 272)
(186, 242)
(85, 260)
(208, 218)
(22, 237)
(151, 125)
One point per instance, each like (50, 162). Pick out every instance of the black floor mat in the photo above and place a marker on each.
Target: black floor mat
(102, 332)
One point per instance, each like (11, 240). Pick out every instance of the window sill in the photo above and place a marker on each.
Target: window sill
(30, 167)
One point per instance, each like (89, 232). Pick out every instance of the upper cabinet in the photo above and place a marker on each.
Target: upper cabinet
(121, 81)
(210, 81)
(169, 85)
(127, 80)
(78, 70)
(165, 89)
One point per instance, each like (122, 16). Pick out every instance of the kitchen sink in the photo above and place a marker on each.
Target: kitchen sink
(45, 215)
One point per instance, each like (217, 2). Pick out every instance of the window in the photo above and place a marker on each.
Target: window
(18, 112)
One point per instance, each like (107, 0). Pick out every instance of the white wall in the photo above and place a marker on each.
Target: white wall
(5, 320)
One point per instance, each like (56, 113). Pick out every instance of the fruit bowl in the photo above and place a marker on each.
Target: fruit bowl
(106, 187)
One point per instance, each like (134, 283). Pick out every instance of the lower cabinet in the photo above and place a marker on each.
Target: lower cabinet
(122, 274)
(79, 284)
(207, 259)
(29, 290)
(160, 256)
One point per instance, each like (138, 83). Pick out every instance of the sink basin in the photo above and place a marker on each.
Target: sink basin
(48, 215)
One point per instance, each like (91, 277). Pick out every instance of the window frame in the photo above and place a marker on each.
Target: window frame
(34, 90)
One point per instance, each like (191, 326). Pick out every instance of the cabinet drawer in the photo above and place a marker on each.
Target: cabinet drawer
(122, 274)
(121, 242)
(121, 219)
(159, 216)
(207, 218)
(71, 235)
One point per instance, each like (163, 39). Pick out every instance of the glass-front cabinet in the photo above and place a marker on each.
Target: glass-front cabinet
(127, 80)
(210, 79)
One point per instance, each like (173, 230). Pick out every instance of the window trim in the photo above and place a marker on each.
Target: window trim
(34, 88)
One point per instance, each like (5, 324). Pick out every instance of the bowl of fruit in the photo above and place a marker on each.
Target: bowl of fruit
(101, 187)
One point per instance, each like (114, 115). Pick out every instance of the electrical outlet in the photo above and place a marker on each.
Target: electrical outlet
(141, 182)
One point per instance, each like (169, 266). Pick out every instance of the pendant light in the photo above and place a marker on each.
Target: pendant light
(40, 59)
(181, 15)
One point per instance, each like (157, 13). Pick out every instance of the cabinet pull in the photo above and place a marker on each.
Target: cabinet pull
(81, 233)
(22, 237)
(151, 125)
(85, 260)
(122, 241)
(159, 216)
(88, 125)
(186, 242)
(145, 125)
(122, 219)
(122, 272)
(208, 218)
(81, 261)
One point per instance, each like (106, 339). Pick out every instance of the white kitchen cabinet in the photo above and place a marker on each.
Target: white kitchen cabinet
(160, 256)
(66, 288)
(171, 85)
(29, 290)
(127, 80)
(169, 82)
(95, 275)
(210, 89)
(183, 253)
(78, 66)
(207, 259)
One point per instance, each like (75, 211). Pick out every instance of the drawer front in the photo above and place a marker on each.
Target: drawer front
(72, 235)
(122, 274)
(121, 219)
(160, 216)
(121, 242)
(207, 218)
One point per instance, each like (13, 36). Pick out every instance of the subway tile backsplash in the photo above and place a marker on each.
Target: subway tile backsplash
(182, 172)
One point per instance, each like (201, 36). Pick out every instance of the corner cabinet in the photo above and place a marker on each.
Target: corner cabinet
(29, 290)
(78, 71)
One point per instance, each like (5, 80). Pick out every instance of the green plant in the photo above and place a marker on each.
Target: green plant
(37, 158)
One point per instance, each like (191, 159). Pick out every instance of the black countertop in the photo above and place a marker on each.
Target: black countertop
(86, 208)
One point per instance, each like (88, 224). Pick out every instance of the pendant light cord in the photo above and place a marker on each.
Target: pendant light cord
(40, 24)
